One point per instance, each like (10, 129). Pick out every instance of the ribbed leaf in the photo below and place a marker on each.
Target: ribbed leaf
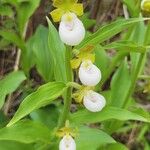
(9, 84)
(84, 116)
(26, 132)
(42, 97)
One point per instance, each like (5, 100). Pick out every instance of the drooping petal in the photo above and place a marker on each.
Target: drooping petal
(67, 143)
(89, 74)
(93, 101)
(57, 14)
(71, 29)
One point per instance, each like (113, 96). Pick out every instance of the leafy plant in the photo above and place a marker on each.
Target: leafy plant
(75, 70)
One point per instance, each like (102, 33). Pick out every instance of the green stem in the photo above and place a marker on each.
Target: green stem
(74, 85)
(67, 97)
(145, 77)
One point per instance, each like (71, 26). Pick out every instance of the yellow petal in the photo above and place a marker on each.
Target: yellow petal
(75, 63)
(57, 14)
(77, 9)
(78, 97)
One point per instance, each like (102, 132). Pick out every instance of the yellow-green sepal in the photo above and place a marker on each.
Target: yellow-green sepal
(77, 9)
(87, 56)
(75, 63)
(64, 6)
(57, 14)
(79, 94)
(84, 54)
(67, 130)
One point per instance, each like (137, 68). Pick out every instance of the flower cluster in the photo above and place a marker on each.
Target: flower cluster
(72, 32)
(90, 76)
(145, 5)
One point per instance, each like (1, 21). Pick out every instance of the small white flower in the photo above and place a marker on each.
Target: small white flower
(71, 29)
(89, 74)
(93, 101)
(67, 143)
(145, 5)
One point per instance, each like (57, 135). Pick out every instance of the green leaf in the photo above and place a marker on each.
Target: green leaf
(9, 84)
(101, 59)
(43, 55)
(14, 2)
(84, 116)
(12, 36)
(134, 11)
(116, 146)
(120, 83)
(25, 11)
(128, 46)
(38, 53)
(58, 51)
(28, 55)
(108, 31)
(88, 23)
(91, 139)
(47, 115)
(6, 145)
(3, 43)
(26, 132)
(6, 10)
(42, 97)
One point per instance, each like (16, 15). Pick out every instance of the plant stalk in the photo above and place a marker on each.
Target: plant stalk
(67, 98)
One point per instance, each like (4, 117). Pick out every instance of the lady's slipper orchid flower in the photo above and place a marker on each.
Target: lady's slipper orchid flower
(67, 143)
(145, 5)
(89, 74)
(71, 29)
(93, 101)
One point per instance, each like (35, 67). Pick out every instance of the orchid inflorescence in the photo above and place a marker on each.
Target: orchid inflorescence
(72, 32)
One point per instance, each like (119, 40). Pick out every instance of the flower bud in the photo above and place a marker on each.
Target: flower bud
(89, 74)
(71, 29)
(93, 101)
(145, 5)
(67, 143)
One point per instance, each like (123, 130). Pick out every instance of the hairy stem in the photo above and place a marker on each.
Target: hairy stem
(67, 99)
